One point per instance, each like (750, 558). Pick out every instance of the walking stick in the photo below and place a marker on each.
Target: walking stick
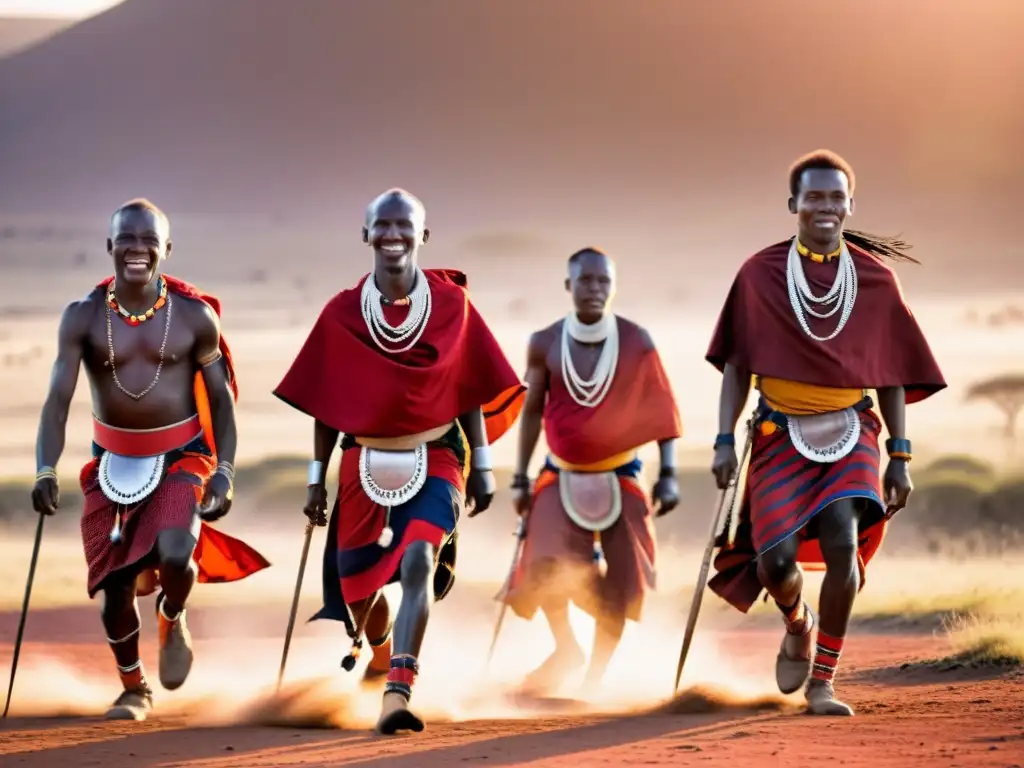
(732, 520)
(24, 610)
(716, 524)
(520, 538)
(310, 525)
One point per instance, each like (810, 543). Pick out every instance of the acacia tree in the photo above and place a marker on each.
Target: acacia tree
(1006, 393)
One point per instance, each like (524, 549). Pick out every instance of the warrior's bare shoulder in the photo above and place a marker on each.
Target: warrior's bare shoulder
(204, 325)
(78, 316)
(540, 344)
(545, 337)
(200, 316)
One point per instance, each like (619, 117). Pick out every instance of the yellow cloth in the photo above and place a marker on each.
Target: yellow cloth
(799, 399)
(612, 462)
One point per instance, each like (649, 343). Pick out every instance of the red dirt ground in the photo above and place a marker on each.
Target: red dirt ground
(916, 716)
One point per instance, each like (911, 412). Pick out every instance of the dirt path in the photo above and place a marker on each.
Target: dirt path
(906, 717)
(924, 725)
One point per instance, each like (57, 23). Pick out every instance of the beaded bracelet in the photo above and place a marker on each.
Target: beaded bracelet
(520, 482)
(725, 439)
(227, 469)
(899, 448)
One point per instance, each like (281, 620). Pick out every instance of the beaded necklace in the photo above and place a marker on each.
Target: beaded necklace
(132, 319)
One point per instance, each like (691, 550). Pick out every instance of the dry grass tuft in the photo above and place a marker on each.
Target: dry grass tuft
(941, 593)
(992, 642)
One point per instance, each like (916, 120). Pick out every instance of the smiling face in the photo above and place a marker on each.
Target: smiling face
(395, 229)
(139, 241)
(821, 206)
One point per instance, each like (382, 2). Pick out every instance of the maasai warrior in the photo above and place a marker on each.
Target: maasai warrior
(405, 368)
(163, 394)
(817, 321)
(597, 386)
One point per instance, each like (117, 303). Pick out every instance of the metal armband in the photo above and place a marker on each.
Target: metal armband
(481, 460)
(211, 359)
(315, 474)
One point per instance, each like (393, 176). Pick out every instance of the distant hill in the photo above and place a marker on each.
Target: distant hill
(17, 33)
(590, 116)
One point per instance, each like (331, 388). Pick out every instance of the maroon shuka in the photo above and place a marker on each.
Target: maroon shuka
(640, 407)
(342, 378)
(880, 346)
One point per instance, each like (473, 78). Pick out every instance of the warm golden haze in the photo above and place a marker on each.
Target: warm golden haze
(659, 134)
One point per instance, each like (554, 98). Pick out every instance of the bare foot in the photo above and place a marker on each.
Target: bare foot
(175, 650)
(396, 716)
(821, 700)
(793, 664)
(549, 676)
(135, 704)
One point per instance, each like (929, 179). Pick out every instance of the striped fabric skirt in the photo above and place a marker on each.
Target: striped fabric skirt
(784, 492)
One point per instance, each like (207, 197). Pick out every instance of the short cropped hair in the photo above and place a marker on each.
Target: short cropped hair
(588, 251)
(391, 195)
(819, 159)
(140, 205)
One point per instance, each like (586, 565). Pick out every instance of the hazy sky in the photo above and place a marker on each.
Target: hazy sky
(73, 8)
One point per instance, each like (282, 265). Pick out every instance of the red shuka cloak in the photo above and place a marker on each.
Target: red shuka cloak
(638, 409)
(343, 379)
(880, 346)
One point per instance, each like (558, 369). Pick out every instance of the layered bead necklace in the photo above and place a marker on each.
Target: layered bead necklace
(384, 334)
(590, 392)
(112, 305)
(843, 291)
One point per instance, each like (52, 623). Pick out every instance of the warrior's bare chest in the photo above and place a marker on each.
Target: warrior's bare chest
(150, 342)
